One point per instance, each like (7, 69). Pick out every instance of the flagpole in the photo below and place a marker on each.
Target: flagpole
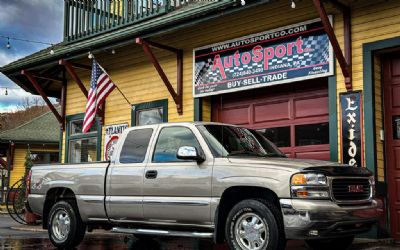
(116, 86)
(130, 104)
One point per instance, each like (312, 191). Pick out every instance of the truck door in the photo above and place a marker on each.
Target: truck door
(176, 191)
(125, 176)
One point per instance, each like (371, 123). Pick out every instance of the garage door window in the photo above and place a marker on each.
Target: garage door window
(312, 134)
(279, 136)
(305, 135)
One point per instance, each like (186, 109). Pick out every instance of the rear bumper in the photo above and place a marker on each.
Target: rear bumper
(314, 219)
(27, 207)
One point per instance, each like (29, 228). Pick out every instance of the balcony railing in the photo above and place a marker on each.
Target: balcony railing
(85, 18)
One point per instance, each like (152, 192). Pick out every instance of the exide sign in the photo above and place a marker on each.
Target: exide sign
(291, 53)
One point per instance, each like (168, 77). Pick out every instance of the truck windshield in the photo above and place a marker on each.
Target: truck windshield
(225, 141)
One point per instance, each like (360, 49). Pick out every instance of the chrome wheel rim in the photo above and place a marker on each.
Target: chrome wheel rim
(61, 225)
(251, 232)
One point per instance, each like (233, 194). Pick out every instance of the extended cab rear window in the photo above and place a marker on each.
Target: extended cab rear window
(135, 146)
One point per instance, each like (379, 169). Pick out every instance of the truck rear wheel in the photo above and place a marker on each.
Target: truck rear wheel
(331, 244)
(65, 226)
(254, 225)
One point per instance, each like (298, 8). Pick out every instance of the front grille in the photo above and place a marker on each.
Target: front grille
(351, 189)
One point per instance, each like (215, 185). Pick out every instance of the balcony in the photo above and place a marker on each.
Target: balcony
(86, 18)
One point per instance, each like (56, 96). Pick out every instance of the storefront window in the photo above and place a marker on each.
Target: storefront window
(312, 134)
(82, 147)
(150, 113)
(44, 157)
(150, 116)
(76, 127)
(83, 150)
(279, 136)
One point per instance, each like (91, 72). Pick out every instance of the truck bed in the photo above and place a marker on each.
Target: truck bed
(85, 180)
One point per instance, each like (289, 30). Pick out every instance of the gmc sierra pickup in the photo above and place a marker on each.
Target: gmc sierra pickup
(205, 180)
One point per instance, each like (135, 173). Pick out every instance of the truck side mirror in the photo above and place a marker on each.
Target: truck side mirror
(189, 153)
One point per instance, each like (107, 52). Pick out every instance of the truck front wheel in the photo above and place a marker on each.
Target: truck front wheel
(254, 225)
(65, 226)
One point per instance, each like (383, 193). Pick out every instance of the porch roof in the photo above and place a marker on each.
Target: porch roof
(42, 129)
(45, 60)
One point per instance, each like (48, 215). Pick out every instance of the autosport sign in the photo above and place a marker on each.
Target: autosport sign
(292, 53)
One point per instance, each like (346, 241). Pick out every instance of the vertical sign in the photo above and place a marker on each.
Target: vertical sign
(351, 129)
(113, 133)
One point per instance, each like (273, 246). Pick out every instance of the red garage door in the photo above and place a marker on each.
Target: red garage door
(294, 117)
(392, 123)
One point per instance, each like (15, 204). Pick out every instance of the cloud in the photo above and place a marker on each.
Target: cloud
(12, 101)
(34, 19)
(6, 58)
(39, 20)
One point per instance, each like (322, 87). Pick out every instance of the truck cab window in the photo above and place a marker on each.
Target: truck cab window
(170, 140)
(135, 146)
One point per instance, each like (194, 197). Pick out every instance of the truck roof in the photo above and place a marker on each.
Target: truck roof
(186, 123)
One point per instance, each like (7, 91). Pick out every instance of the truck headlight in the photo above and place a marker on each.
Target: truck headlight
(309, 185)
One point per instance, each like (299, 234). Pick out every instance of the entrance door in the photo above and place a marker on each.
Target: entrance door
(295, 116)
(392, 127)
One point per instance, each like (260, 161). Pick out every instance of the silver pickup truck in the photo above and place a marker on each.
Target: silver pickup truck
(205, 180)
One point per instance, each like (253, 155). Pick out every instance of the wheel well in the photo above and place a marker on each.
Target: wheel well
(52, 197)
(234, 195)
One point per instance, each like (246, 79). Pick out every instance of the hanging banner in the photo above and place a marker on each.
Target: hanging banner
(351, 128)
(288, 54)
(113, 132)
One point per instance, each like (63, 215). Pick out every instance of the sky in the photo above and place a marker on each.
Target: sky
(38, 20)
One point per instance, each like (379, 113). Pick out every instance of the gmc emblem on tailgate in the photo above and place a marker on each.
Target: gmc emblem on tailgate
(356, 188)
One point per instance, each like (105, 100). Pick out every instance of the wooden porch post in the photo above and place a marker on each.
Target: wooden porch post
(345, 65)
(39, 89)
(178, 95)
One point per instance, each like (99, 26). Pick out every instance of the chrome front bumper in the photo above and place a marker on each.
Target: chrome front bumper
(313, 219)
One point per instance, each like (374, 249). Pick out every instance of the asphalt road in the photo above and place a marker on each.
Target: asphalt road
(16, 239)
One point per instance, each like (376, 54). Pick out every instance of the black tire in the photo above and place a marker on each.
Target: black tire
(267, 214)
(331, 244)
(77, 228)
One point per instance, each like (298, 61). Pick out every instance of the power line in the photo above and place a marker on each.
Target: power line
(25, 40)
(8, 45)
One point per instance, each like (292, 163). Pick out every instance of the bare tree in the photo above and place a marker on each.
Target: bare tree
(28, 108)
(31, 101)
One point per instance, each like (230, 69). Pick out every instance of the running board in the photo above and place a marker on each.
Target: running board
(162, 232)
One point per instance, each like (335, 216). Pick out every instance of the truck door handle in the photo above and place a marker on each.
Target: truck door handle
(151, 174)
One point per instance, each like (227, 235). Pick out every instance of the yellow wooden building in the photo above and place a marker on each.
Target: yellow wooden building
(40, 135)
(321, 80)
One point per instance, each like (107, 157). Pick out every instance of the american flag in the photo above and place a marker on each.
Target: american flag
(100, 87)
